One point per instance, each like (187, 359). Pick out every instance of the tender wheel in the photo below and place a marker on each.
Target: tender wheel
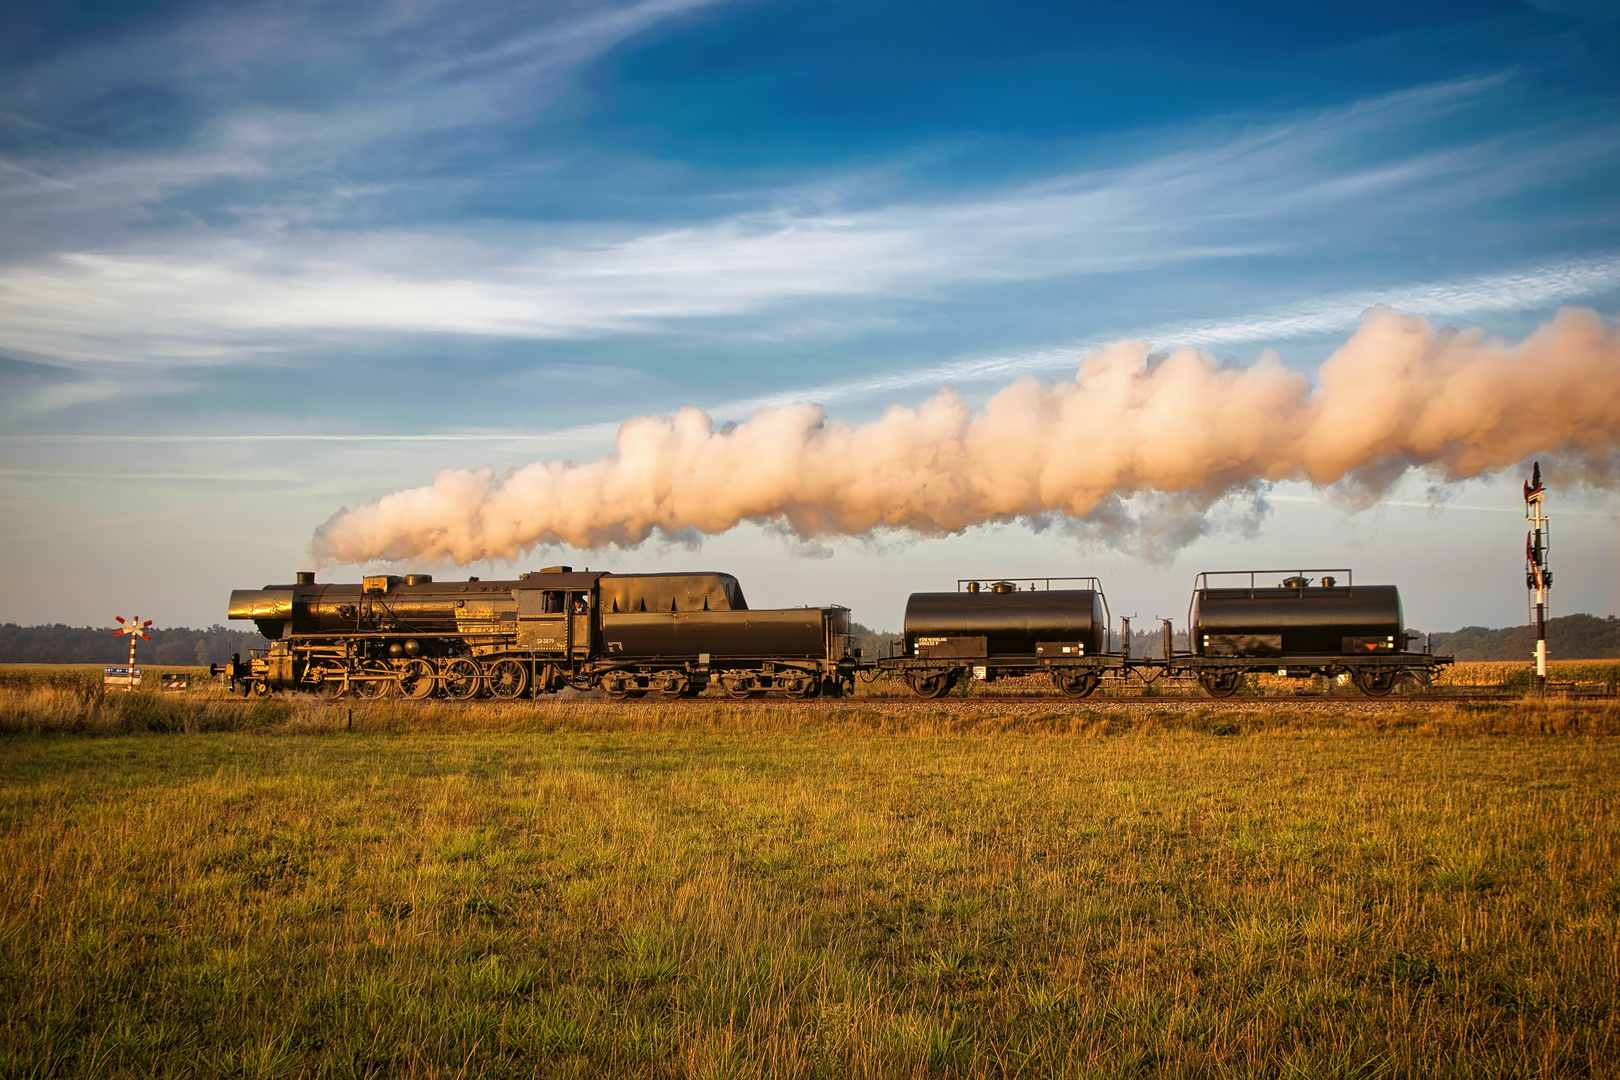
(508, 679)
(416, 679)
(460, 679)
(1076, 683)
(616, 686)
(1221, 684)
(1374, 683)
(931, 684)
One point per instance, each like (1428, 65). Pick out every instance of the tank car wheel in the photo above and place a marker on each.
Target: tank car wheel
(673, 684)
(739, 687)
(416, 679)
(1374, 683)
(1221, 684)
(461, 679)
(1076, 684)
(934, 685)
(803, 688)
(508, 679)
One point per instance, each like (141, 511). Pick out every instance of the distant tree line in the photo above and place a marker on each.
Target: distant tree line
(176, 646)
(874, 644)
(1569, 637)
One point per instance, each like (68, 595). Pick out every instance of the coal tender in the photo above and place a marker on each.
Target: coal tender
(1298, 626)
(996, 628)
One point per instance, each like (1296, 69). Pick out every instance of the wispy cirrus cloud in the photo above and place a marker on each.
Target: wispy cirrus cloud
(204, 293)
(1525, 289)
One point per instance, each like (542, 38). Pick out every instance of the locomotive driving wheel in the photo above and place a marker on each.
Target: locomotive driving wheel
(931, 684)
(379, 681)
(330, 680)
(460, 678)
(1374, 683)
(508, 679)
(1221, 684)
(1076, 683)
(416, 679)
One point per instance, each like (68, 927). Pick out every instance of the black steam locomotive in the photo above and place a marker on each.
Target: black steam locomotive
(676, 634)
(626, 634)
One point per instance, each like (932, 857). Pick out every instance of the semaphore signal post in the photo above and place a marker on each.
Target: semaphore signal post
(1537, 578)
(136, 629)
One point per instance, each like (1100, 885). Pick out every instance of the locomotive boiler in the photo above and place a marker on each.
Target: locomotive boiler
(1001, 627)
(627, 634)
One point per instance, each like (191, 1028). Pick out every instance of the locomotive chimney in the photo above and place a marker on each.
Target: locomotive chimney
(306, 577)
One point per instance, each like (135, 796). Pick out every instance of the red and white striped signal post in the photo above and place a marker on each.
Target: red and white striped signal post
(1537, 577)
(136, 629)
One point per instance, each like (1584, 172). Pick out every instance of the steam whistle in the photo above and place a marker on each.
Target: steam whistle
(1537, 577)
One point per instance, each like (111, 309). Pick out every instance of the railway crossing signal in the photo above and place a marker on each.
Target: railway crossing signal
(136, 629)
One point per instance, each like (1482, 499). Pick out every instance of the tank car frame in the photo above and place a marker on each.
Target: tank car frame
(1297, 630)
(992, 628)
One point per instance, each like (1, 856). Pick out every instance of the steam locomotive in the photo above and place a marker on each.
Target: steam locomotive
(626, 634)
(677, 634)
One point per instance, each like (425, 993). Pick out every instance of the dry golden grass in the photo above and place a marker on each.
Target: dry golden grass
(838, 889)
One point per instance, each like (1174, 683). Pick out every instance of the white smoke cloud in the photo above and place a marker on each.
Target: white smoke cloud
(1177, 434)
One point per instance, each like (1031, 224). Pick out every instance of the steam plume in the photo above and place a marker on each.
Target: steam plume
(1183, 429)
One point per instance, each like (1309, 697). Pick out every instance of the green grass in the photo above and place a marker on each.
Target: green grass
(860, 890)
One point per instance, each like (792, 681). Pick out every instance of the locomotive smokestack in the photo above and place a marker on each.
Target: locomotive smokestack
(1398, 395)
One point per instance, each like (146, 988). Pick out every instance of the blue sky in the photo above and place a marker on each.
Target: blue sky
(261, 261)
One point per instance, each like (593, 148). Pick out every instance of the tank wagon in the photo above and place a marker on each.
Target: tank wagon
(992, 628)
(1299, 627)
(627, 634)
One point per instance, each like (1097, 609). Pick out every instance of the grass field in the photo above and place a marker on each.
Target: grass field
(843, 889)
